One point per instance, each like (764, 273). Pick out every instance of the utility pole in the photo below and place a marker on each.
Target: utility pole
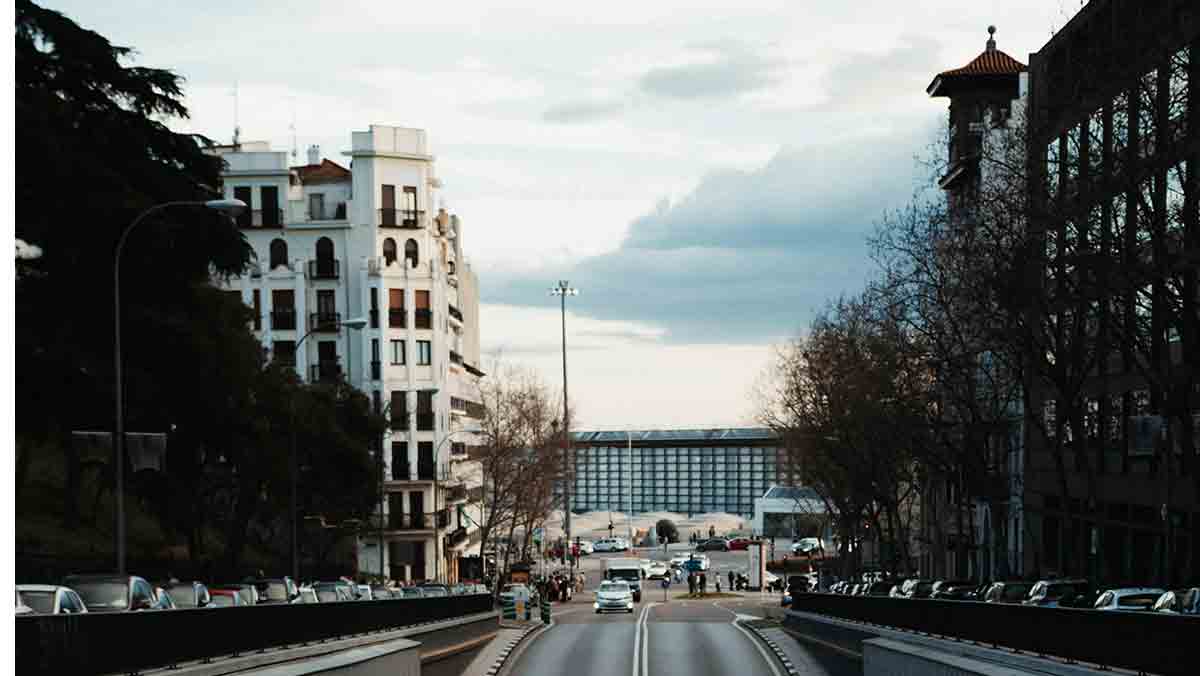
(562, 291)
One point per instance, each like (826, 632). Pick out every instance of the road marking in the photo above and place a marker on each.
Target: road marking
(758, 646)
(639, 655)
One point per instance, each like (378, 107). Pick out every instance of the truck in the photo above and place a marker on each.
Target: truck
(626, 570)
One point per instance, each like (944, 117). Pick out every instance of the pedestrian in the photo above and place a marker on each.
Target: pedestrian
(718, 579)
(691, 584)
(703, 584)
(731, 580)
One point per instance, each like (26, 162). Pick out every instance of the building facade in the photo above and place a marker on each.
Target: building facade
(1112, 482)
(336, 243)
(683, 471)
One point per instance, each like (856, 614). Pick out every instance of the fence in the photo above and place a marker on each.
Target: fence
(1157, 643)
(130, 642)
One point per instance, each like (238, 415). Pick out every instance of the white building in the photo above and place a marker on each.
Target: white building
(336, 243)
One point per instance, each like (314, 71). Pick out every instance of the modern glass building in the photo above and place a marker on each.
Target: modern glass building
(685, 471)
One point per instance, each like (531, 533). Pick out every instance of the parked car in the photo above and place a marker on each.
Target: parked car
(227, 598)
(411, 593)
(112, 593)
(332, 592)
(187, 594)
(435, 590)
(605, 545)
(1182, 601)
(713, 544)
(978, 592)
(899, 584)
(678, 561)
(163, 600)
(586, 547)
(275, 589)
(951, 590)
(247, 591)
(740, 544)
(307, 595)
(364, 592)
(917, 589)
(1007, 592)
(48, 599)
(1128, 598)
(1049, 593)
(808, 546)
(883, 588)
(380, 591)
(657, 571)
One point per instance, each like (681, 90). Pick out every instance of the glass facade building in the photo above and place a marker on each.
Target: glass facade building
(684, 471)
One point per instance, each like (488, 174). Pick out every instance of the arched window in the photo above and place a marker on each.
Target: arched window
(279, 255)
(389, 251)
(410, 253)
(326, 265)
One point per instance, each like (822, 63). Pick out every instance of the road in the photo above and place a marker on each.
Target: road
(686, 637)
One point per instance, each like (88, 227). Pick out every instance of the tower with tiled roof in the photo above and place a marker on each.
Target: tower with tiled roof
(981, 95)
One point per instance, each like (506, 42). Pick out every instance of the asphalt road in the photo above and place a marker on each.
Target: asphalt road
(692, 638)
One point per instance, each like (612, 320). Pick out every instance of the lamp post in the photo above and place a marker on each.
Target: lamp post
(354, 325)
(230, 207)
(562, 291)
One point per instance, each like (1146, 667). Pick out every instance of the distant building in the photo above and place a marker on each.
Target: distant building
(334, 243)
(684, 471)
(787, 511)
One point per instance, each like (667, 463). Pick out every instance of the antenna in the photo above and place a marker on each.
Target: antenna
(237, 128)
(292, 127)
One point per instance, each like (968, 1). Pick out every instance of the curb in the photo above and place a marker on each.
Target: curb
(512, 644)
(783, 658)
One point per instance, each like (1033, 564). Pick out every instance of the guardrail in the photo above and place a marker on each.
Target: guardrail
(1157, 643)
(132, 642)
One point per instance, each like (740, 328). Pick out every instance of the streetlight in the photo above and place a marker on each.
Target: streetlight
(562, 291)
(354, 325)
(230, 207)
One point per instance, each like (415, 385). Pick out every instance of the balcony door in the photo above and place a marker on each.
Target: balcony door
(327, 358)
(270, 205)
(416, 508)
(246, 218)
(326, 306)
(387, 205)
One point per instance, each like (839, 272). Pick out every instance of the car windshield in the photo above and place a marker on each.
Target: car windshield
(273, 590)
(183, 595)
(623, 574)
(222, 600)
(327, 595)
(614, 587)
(411, 592)
(40, 601)
(1139, 601)
(102, 594)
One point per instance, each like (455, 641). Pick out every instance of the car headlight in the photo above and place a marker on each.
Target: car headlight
(596, 604)
(629, 604)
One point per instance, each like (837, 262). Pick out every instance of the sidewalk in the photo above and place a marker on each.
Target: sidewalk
(488, 661)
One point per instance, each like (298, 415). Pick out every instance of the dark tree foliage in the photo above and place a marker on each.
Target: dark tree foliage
(665, 528)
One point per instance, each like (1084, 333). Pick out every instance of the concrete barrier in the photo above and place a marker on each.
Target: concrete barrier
(884, 657)
(398, 657)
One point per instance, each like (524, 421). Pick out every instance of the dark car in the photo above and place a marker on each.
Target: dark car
(917, 589)
(952, 590)
(1007, 592)
(113, 593)
(797, 584)
(188, 594)
(275, 589)
(1052, 593)
(714, 544)
(882, 588)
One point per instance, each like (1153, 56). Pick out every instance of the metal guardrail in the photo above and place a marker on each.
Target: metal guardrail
(126, 643)
(1156, 643)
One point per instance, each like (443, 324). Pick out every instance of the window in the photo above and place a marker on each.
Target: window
(396, 315)
(316, 207)
(410, 253)
(389, 251)
(399, 410)
(269, 198)
(246, 217)
(279, 254)
(424, 352)
(423, 317)
(257, 295)
(398, 352)
(374, 308)
(283, 309)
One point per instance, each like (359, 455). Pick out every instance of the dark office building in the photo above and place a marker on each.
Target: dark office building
(1114, 156)
(684, 471)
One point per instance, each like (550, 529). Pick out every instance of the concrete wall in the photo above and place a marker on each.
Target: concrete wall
(882, 657)
(393, 658)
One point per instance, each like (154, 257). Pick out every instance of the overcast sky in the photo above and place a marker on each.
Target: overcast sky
(705, 174)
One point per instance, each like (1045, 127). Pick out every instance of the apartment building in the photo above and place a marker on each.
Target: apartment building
(334, 243)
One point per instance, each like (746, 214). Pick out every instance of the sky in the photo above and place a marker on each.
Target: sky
(705, 173)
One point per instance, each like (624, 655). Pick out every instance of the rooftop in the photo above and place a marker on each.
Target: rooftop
(790, 493)
(991, 63)
(325, 172)
(729, 434)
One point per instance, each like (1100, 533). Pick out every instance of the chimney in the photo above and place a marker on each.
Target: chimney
(314, 154)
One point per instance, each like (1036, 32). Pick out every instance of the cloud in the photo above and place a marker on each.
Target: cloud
(748, 256)
(582, 111)
(727, 69)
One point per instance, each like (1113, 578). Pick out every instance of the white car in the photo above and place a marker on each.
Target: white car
(1128, 599)
(48, 599)
(657, 570)
(677, 561)
(586, 547)
(613, 595)
(610, 545)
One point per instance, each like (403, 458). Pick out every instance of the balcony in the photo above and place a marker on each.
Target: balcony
(283, 320)
(423, 318)
(455, 358)
(456, 313)
(323, 212)
(397, 318)
(325, 322)
(376, 370)
(400, 218)
(325, 372)
(324, 268)
(261, 218)
(399, 470)
(426, 472)
(425, 422)
(409, 522)
(373, 315)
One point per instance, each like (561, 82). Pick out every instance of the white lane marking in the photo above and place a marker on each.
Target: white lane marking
(758, 646)
(639, 655)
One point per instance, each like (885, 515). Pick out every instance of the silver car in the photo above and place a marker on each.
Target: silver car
(47, 599)
(613, 595)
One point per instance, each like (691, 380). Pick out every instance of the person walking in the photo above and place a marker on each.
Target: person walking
(731, 580)
(691, 584)
(703, 584)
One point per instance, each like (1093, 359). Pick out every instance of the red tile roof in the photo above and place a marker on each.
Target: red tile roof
(325, 172)
(991, 62)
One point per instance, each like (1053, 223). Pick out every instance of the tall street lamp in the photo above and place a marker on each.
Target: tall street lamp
(229, 207)
(562, 291)
(353, 324)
